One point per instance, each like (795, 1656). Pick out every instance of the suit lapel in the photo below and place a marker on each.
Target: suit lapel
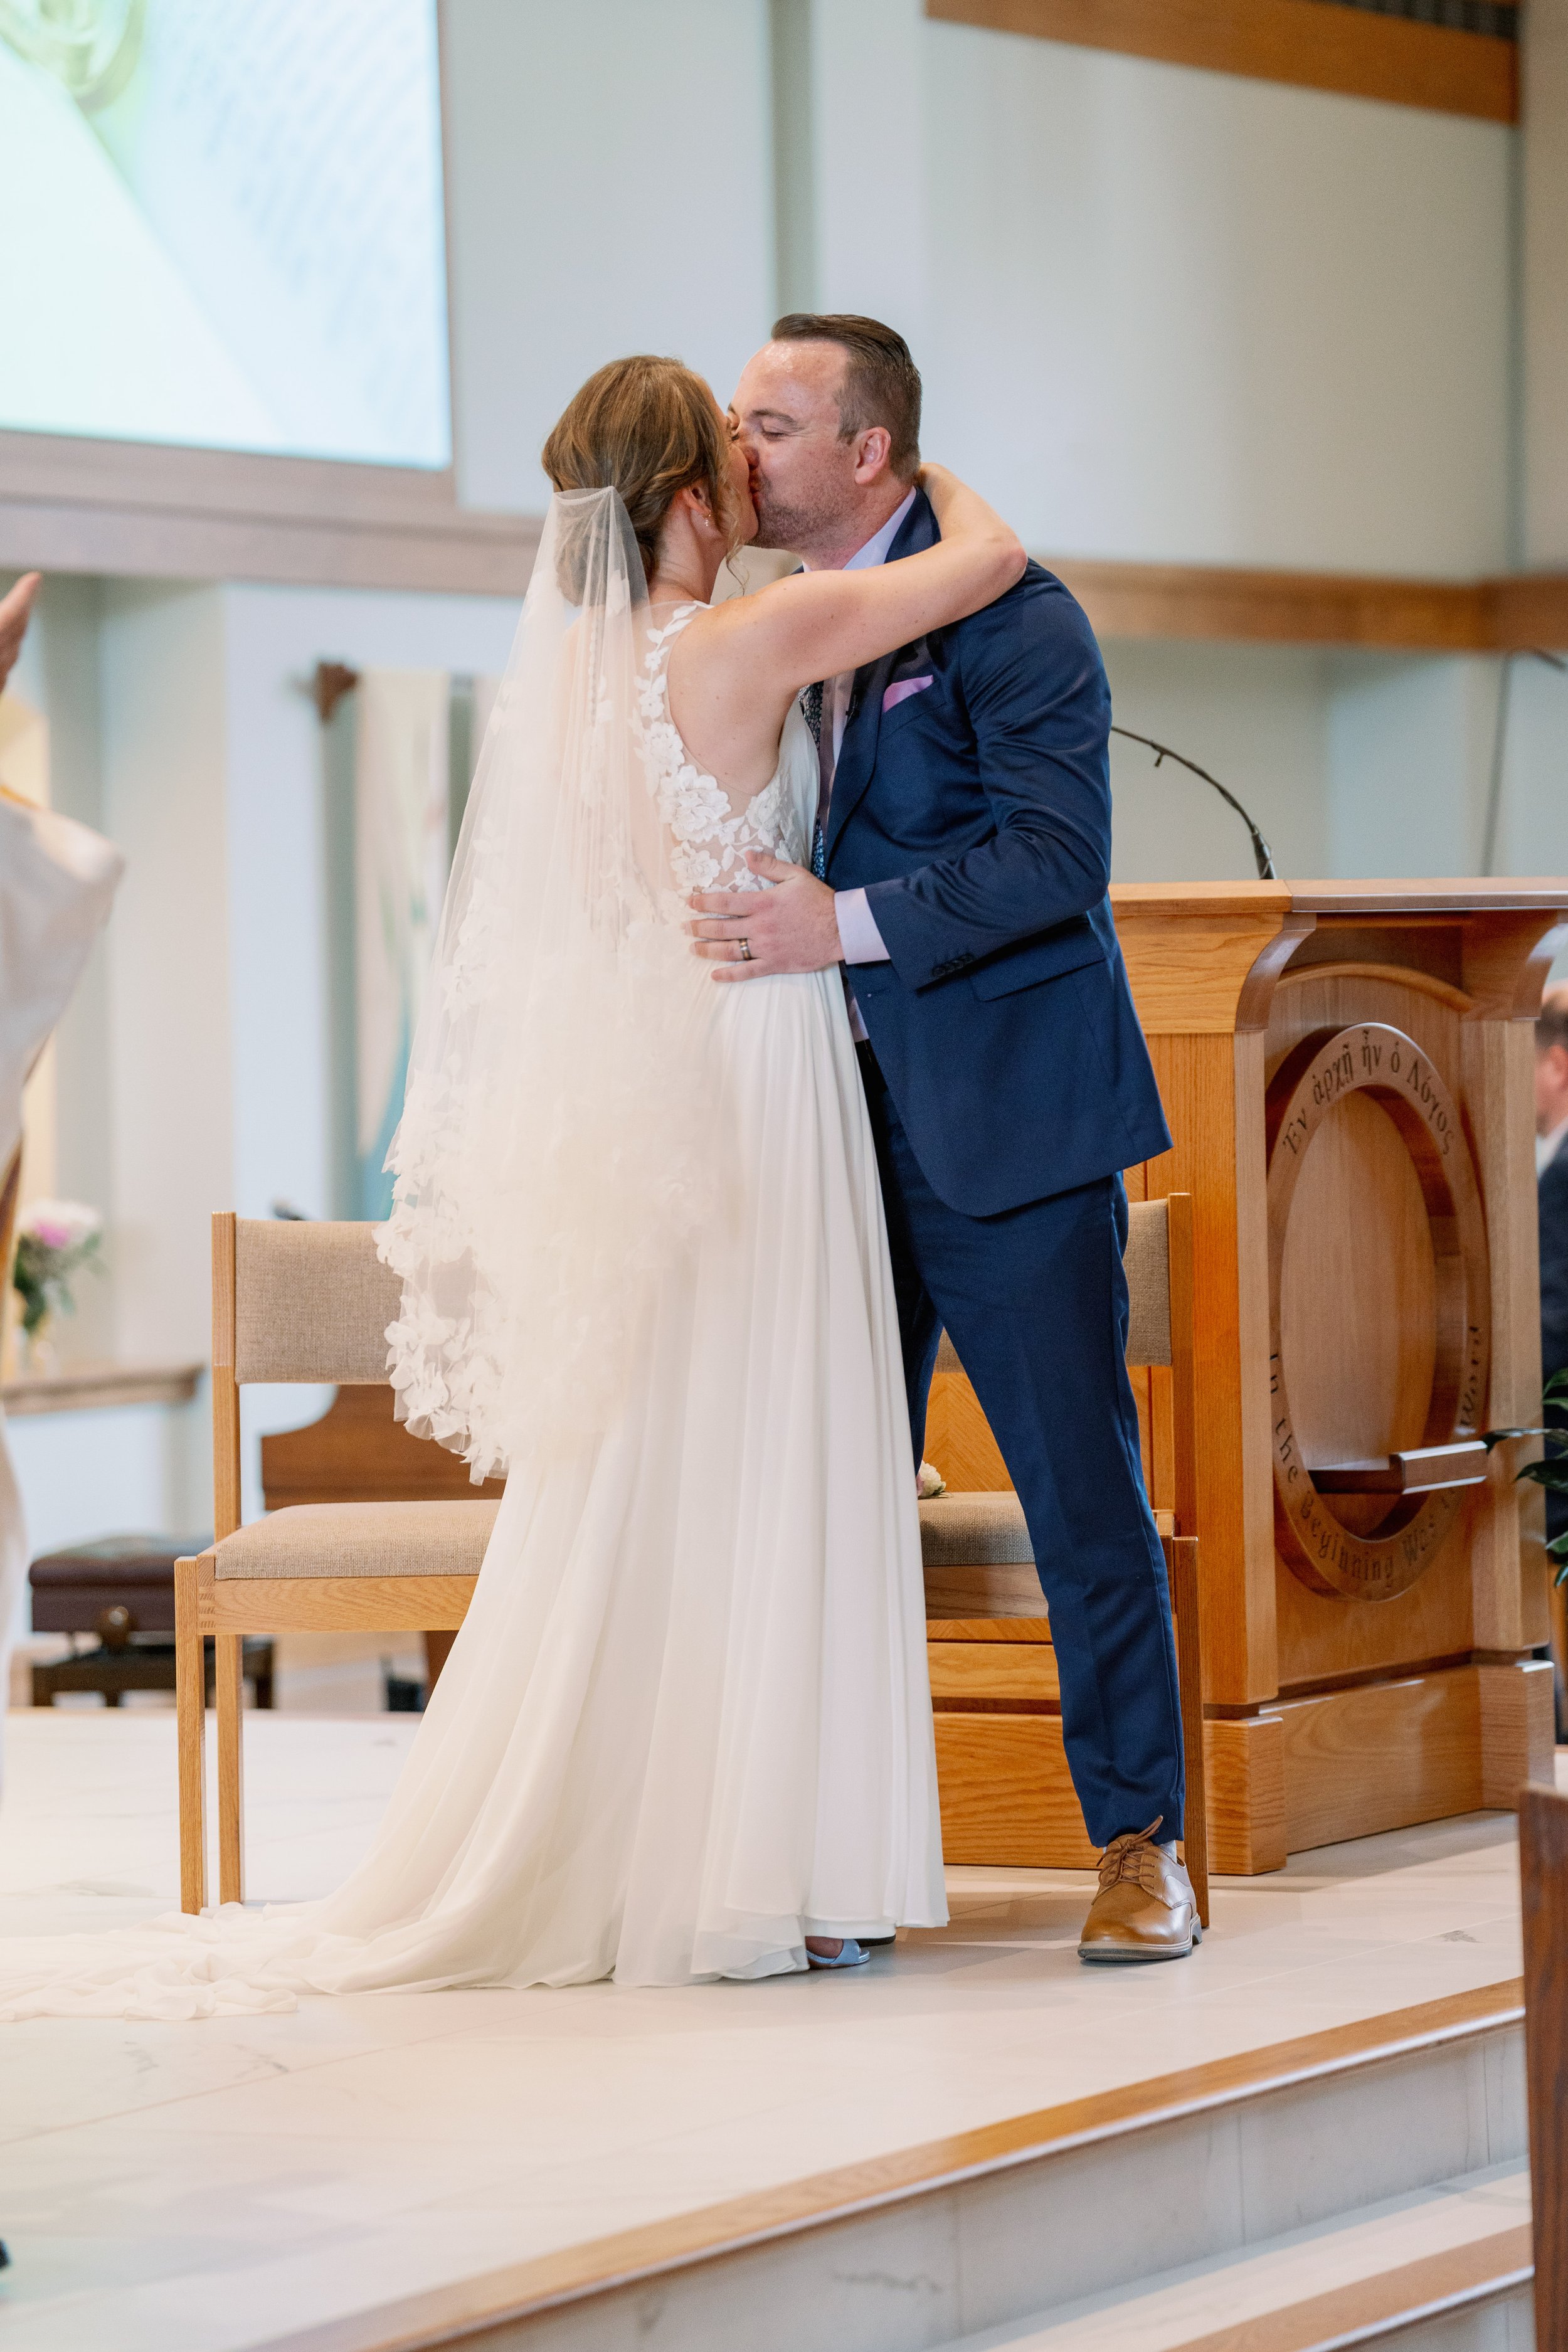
(858, 753)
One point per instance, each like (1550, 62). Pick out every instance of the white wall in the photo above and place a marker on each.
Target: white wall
(1532, 831)
(609, 189)
(1351, 763)
(276, 821)
(1411, 746)
(1256, 718)
(124, 1470)
(1180, 315)
(171, 1116)
(1168, 314)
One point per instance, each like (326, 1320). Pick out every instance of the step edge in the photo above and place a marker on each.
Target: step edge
(1218, 2272)
(1364, 2311)
(437, 2316)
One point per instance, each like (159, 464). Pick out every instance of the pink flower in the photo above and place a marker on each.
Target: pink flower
(60, 1224)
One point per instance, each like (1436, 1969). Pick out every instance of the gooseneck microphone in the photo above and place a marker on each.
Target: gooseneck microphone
(1260, 849)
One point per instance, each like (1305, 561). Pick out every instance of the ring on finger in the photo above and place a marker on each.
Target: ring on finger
(745, 948)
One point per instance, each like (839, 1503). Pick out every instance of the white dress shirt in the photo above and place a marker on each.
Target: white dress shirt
(858, 933)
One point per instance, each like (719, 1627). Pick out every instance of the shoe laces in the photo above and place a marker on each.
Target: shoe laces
(1135, 1856)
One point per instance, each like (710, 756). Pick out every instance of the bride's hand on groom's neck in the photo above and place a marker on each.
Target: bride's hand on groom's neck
(792, 928)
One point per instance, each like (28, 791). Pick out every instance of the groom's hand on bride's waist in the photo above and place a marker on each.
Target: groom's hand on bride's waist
(745, 934)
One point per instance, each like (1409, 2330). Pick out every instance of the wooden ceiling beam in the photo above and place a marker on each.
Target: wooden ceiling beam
(1315, 44)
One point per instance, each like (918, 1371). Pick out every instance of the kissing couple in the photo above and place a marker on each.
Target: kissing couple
(777, 1023)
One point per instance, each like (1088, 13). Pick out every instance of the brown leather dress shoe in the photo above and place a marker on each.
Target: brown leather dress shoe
(1144, 1909)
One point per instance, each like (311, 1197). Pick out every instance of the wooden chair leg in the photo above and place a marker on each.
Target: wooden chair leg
(228, 1650)
(190, 1710)
(1181, 1564)
(437, 1649)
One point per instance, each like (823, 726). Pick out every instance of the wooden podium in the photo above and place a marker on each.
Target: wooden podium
(1346, 1067)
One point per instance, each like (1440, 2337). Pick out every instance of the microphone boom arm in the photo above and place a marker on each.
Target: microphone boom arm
(1263, 855)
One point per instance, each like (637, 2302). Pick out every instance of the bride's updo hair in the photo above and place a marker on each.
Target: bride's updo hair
(648, 428)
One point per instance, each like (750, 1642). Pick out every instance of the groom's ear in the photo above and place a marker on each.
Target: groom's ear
(873, 450)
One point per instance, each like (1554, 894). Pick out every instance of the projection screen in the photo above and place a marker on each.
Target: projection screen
(221, 225)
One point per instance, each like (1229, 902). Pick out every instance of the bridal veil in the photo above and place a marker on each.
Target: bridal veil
(553, 1159)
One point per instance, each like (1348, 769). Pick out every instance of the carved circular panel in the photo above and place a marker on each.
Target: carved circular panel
(1397, 1294)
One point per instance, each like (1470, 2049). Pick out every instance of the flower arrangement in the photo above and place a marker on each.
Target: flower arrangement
(54, 1238)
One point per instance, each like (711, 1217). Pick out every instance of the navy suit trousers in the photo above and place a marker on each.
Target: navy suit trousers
(1034, 1301)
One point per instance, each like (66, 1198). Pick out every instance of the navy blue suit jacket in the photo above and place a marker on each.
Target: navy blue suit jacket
(1553, 1207)
(975, 813)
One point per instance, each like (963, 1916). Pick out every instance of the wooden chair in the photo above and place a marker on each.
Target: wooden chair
(979, 1561)
(1544, 1885)
(305, 1302)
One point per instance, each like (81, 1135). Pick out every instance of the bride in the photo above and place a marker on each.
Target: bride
(685, 1732)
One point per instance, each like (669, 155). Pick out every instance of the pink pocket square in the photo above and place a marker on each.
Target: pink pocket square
(902, 688)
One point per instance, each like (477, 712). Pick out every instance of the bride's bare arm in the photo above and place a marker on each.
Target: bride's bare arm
(735, 671)
(819, 623)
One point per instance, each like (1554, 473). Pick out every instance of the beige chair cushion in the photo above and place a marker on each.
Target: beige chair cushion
(362, 1539)
(976, 1530)
(311, 1302)
(979, 1561)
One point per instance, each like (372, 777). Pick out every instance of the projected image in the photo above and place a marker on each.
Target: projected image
(223, 224)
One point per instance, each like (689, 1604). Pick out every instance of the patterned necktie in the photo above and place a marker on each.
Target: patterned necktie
(811, 710)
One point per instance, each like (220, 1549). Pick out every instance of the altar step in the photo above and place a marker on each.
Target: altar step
(1444, 2270)
(1381, 2160)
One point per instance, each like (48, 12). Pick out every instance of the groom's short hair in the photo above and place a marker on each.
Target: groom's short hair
(881, 382)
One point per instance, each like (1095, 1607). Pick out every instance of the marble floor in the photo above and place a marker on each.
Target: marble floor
(206, 2187)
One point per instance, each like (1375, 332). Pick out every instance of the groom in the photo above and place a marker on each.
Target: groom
(959, 875)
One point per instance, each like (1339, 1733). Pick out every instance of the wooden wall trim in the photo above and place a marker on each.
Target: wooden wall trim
(82, 469)
(1242, 605)
(456, 551)
(456, 554)
(86, 1388)
(1313, 44)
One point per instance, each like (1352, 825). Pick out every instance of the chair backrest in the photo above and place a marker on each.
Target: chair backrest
(1159, 1264)
(1147, 1259)
(310, 1302)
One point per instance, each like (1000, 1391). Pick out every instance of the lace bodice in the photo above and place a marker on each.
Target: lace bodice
(709, 835)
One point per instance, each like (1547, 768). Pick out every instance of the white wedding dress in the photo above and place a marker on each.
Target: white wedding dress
(686, 1722)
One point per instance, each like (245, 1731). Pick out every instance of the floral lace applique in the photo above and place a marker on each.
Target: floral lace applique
(710, 840)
